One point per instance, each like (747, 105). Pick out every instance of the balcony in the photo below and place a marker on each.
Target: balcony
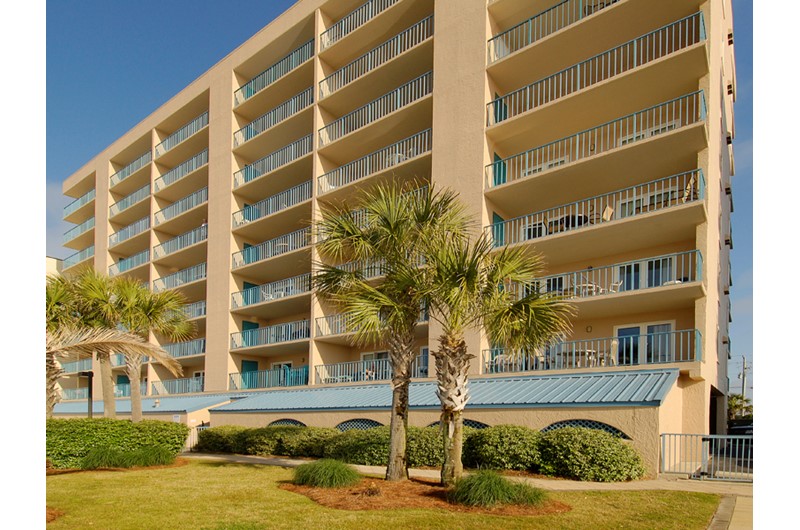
(75, 393)
(271, 119)
(181, 242)
(683, 346)
(377, 109)
(182, 206)
(195, 310)
(189, 385)
(187, 136)
(341, 324)
(185, 349)
(188, 173)
(129, 263)
(278, 377)
(124, 389)
(401, 153)
(270, 292)
(127, 203)
(273, 73)
(140, 162)
(659, 53)
(73, 210)
(420, 32)
(72, 236)
(189, 275)
(77, 366)
(271, 163)
(78, 257)
(275, 334)
(129, 231)
(359, 371)
(280, 202)
(272, 248)
(352, 21)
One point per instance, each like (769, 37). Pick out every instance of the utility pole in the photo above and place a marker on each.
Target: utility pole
(744, 376)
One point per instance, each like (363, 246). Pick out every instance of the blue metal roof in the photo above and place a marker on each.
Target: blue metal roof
(166, 405)
(624, 388)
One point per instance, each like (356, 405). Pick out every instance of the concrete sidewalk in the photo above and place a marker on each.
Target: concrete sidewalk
(734, 513)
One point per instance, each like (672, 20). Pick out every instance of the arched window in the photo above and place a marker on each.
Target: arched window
(360, 423)
(467, 423)
(286, 421)
(588, 424)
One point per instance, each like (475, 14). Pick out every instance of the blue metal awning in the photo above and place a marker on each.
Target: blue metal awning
(166, 405)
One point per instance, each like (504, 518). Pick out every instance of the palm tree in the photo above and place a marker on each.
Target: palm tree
(58, 315)
(472, 287)
(390, 227)
(739, 407)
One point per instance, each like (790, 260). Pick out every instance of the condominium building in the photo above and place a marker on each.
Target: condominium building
(596, 133)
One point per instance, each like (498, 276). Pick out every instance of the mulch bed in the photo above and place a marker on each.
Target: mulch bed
(378, 494)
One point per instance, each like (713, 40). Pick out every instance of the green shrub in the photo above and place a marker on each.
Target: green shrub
(502, 447)
(588, 454)
(102, 457)
(487, 489)
(113, 457)
(307, 441)
(425, 447)
(69, 441)
(326, 473)
(222, 439)
(368, 447)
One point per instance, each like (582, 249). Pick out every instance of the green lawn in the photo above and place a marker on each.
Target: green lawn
(214, 495)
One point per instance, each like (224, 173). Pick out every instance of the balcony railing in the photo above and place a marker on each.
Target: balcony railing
(78, 257)
(181, 170)
(131, 262)
(645, 273)
(183, 205)
(378, 108)
(638, 52)
(195, 309)
(75, 393)
(131, 168)
(636, 350)
(278, 333)
(187, 239)
(274, 72)
(77, 366)
(373, 370)
(353, 20)
(274, 247)
(275, 116)
(189, 385)
(416, 34)
(176, 279)
(124, 389)
(75, 231)
(273, 161)
(272, 291)
(541, 25)
(182, 134)
(369, 269)
(380, 160)
(277, 377)
(185, 349)
(659, 119)
(117, 359)
(129, 231)
(128, 201)
(342, 323)
(75, 205)
(270, 205)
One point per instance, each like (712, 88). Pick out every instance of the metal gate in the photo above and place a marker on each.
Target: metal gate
(708, 456)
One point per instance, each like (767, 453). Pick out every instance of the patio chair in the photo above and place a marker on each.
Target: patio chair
(608, 213)
(688, 193)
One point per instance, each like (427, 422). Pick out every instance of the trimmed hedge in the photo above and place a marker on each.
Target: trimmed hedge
(70, 440)
(588, 454)
(370, 447)
(503, 447)
(286, 440)
(223, 439)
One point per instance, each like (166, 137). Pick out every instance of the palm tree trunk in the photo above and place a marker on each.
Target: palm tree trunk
(53, 372)
(107, 384)
(133, 366)
(452, 369)
(401, 353)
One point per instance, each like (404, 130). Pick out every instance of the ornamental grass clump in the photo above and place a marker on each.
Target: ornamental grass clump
(112, 457)
(326, 473)
(488, 489)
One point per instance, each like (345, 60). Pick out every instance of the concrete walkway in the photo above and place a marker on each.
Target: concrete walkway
(734, 513)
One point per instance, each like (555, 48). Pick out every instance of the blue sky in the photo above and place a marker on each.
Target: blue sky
(111, 63)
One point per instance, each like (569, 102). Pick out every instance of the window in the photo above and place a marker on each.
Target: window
(421, 363)
(550, 164)
(498, 230)
(499, 171)
(650, 342)
(648, 132)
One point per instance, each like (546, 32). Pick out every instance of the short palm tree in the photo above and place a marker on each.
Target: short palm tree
(389, 227)
(474, 286)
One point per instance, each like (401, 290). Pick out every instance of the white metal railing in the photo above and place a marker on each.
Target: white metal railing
(195, 309)
(75, 231)
(77, 366)
(635, 53)
(180, 242)
(352, 21)
(181, 170)
(189, 385)
(176, 279)
(190, 129)
(135, 228)
(277, 377)
(182, 205)
(283, 111)
(131, 262)
(273, 247)
(369, 269)
(75, 393)
(275, 334)
(77, 203)
(639, 126)
(371, 370)
(342, 323)
(382, 159)
(708, 456)
(378, 108)
(274, 72)
(270, 205)
(124, 389)
(78, 257)
(128, 201)
(130, 169)
(381, 54)
(185, 349)
(272, 291)
(273, 161)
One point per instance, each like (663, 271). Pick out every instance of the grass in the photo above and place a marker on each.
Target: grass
(326, 473)
(488, 488)
(226, 496)
(111, 457)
